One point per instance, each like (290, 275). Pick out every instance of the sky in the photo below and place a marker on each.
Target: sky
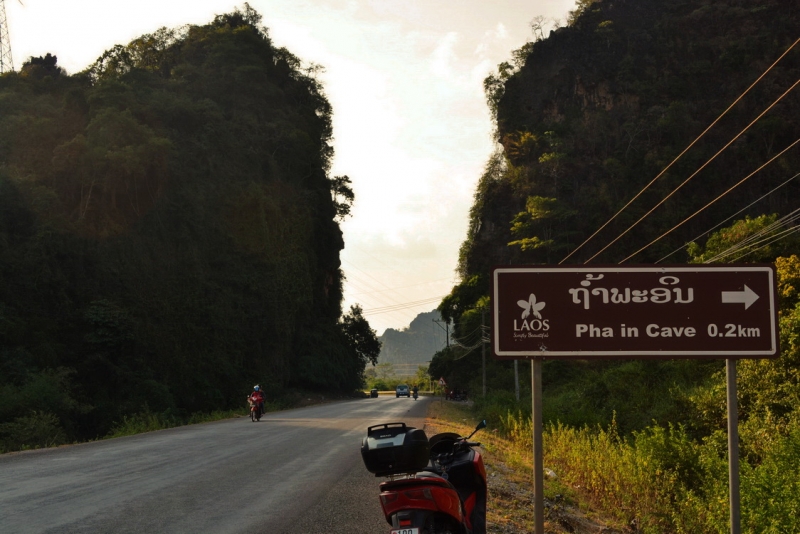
(411, 126)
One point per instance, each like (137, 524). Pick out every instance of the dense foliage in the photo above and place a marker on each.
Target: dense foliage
(585, 119)
(168, 234)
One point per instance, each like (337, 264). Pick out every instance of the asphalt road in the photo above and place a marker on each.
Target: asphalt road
(294, 472)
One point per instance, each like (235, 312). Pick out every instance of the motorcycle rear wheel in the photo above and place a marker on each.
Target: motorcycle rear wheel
(443, 530)
(441, 524)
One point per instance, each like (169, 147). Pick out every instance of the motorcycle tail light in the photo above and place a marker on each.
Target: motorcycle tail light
(388, 498)
(420, 494)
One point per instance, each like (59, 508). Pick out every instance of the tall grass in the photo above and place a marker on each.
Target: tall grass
(659, 480)
(148, 421)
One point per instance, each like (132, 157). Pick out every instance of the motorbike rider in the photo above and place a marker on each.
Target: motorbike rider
(415, 389)
(257, 396)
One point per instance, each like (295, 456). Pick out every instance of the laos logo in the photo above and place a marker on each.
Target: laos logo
(531, 324)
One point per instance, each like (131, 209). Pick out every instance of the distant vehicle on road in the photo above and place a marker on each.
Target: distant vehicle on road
(373, 393)
(402, 391)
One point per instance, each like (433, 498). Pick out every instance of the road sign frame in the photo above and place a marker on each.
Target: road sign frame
(737, 303)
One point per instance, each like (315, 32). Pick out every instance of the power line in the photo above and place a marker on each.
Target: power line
(457, 341)
(470, 351)
(398, 307)
(676, 159)
(399, 312)
(786, 233)
(695, 173)
(399, 287)
(755, 238)
(766, 242)
(710, 203)
(762, 197)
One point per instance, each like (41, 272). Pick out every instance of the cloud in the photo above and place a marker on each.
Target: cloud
(443, 57)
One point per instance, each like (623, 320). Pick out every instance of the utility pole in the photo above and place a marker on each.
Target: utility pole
(446, 330)
(483, 348)
(6, 63)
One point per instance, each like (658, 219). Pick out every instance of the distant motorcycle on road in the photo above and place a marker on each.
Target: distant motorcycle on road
(255, 410)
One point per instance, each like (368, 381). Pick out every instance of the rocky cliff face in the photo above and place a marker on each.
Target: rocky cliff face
(416, 344)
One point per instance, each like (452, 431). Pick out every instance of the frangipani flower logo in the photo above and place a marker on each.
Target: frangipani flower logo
(531, 306)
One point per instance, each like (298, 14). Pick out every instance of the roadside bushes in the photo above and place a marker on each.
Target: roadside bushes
(771, 492)
(36, 409)
(35, 430)
(148, 421)
(660, 480)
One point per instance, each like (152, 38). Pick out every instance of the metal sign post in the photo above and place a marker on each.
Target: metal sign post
(680, 311)
(733, 447)
(538, 454)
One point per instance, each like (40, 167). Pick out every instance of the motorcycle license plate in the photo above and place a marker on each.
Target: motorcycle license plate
(405, 531)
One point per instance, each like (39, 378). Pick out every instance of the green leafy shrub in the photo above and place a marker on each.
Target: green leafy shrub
(32, 431)
(771, 491)
(663, 481)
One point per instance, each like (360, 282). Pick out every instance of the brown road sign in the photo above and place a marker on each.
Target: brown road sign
(687, 311)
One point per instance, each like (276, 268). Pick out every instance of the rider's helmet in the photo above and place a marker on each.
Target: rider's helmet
(256, 388)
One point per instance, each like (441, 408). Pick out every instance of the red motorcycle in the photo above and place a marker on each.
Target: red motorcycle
(435, 486)
(255, 409)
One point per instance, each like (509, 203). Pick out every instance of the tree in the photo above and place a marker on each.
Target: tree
(788, 270)
(537, 27)
(385, 371)
(421, 379)
(361, 338)
(542, 226)
(462, 298)
(580, 7)
(751, 240)
(39, 67)
(340, 189)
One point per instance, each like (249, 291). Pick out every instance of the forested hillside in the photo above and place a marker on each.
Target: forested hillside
(586, 119)
(597, 110)
(168, 234)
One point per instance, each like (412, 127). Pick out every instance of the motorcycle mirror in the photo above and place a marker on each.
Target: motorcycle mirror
(482, 424)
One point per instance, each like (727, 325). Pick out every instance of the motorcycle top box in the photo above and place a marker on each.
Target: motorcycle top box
(394, 448)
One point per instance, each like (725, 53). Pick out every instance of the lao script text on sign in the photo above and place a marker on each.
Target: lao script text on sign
(691, 311)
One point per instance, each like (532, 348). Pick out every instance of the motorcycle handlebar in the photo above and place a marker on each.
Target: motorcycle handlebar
(444, 459)
(458, 446)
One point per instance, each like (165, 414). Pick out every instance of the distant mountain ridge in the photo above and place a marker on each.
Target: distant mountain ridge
(416, 344)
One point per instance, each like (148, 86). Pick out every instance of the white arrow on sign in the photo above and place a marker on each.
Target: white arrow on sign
(747, 297)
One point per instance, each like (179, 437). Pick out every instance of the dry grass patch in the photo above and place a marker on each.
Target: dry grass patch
(510, 480)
